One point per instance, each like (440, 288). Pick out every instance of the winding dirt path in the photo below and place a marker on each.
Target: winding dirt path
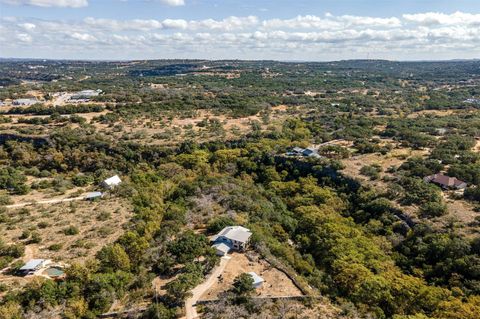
(197, 292)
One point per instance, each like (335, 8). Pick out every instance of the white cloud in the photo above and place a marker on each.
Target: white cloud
(173, 3)
(83, 36)
(49, 3)
(175, 24)
(227, 24)
(436, 18)
(23, 37)
(27, 26)
(331, 22)
(424, 35)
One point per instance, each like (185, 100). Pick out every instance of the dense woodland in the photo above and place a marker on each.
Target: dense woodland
(347, 240)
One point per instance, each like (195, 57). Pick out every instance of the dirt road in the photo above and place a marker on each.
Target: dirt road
(197, 292)
(50, 201)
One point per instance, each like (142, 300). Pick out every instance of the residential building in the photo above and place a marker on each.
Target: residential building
(306, 152)
(446, 182)
(310, 152)
(111, 182)
(235, 237)
(34, 265)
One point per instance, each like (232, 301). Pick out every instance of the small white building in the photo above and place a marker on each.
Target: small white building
(236, 237)
(257, 280)
(111, 182)
(93, 195)
(33, 265)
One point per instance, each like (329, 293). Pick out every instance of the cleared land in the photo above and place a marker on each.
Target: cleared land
(276, 282)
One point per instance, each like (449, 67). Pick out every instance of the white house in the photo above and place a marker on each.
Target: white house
(257, 280)
(235, 237)
(33, 265)
(111, 182)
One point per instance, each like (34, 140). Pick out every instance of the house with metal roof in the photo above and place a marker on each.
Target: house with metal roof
(236, 237)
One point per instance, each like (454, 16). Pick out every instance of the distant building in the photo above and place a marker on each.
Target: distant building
(235, 237)
(307, 152)
(257, 280)
(33, 265)
(310, 152)
(446, 182)
(111, 182)
(24, 102)
(93, 195)
(296, 151)
(472, 101)
(85, 94)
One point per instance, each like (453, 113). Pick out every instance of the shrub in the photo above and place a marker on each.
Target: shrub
(433, 209)
(372, 171)
(243, 284)
(55, 247)
(71, 230)
(35, 238)
(104, 216)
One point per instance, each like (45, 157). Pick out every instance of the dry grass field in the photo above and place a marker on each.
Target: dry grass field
(276, 282)
(67, 232)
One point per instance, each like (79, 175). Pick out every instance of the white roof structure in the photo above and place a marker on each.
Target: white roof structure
(93, 195)
(33, 264)
(112, 181)
(256, 278)
(222, 248)
(237, 233)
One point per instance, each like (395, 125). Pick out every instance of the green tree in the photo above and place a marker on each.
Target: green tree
(243, 285)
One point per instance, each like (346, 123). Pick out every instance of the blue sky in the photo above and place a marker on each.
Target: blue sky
(271, 29)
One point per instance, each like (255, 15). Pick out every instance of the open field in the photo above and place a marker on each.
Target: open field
(96, 224)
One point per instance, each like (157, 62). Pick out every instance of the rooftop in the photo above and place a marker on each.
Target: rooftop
(112, 181)
(93, 195)
(32, 264)
(445, 180)
(256, 278)
(222, 247)
(237, 233)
